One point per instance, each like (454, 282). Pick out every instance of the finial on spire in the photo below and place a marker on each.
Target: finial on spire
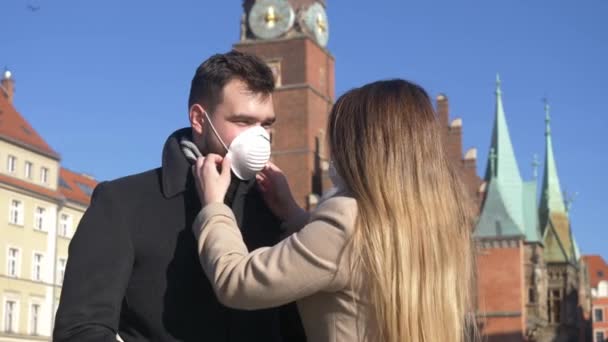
(493, 162)
(7, 73)
(498, 83)
(535, 165)
(569, 199)
(547, 117)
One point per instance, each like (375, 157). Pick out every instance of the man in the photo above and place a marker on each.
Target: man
(133, 268)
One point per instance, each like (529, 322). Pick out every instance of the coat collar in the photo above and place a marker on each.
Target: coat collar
(176, 169)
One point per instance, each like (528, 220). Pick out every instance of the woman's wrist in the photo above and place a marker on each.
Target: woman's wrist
(293, 211)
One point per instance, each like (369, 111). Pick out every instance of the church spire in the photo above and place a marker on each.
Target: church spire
(554, 222)
(502, 164)
(502, 213)
(552, 199)
(502, 161)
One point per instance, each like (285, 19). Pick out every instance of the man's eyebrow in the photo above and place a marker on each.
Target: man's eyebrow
(249, 117)
(241, 116)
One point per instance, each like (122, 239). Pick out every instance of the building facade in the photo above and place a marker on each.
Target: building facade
(530, 275)
(597, 269)
(42, 204)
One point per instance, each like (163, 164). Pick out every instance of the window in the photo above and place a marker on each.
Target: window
(37, 267)
(65, 225)
(600, 274)
(61, 270)
(275, 67)
(85, 188)
(554, 306)
(34, 318)
(44, 175)
(531, 295)
(64, 184)
(598, 315)
(12, 267)
(11, 164)
(557, 306)
(16, 213)
(599, 336)
(10, 316)
(39, 218)
(28, 170)
(498, 228)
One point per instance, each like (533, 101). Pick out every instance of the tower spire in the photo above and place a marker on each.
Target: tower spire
(505, 162)
(552, 199)
(502, 163)
(553, 210)
(547, 118)
(505, 187)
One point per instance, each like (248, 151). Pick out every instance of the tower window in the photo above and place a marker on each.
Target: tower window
(531, 295)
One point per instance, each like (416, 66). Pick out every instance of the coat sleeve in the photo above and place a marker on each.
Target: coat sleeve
(295, 223)
(97, 273)
(300, 265)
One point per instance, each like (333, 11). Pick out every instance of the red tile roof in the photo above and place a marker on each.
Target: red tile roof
(16, 129)
(40, 190)
(598, 269)
(73, 187)
(76, 187)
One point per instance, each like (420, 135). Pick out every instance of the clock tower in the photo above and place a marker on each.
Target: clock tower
(291, 36)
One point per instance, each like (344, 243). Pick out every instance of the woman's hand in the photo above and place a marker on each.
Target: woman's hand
(276, 192)
(211, 183)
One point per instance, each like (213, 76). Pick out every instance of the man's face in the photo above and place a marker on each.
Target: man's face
(237, 111)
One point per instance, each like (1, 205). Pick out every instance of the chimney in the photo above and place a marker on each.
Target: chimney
(8, 85)
(443, 110)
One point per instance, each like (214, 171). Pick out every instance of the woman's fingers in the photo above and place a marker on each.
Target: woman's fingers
(225, 172)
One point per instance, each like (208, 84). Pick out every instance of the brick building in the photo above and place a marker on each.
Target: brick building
(597, 270)
(467, 163)
(529, 269)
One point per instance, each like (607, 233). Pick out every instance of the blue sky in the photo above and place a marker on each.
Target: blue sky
(106, 81)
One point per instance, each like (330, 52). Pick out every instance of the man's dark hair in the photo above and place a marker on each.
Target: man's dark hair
(219, 69)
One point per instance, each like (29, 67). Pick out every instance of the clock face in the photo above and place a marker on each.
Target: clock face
(270, 19)
(315, 20)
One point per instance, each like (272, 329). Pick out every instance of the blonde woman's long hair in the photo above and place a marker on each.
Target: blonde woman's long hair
(413, 231)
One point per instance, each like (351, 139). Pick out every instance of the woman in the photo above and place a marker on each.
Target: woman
(387, 258)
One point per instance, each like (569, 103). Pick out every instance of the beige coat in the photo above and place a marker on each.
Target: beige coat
(310, 266)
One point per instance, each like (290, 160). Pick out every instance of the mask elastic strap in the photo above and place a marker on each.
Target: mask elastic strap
(214, 131)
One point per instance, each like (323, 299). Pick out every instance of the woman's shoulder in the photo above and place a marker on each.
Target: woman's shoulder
(339, 210)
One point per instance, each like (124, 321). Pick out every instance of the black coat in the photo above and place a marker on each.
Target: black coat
(133, 264)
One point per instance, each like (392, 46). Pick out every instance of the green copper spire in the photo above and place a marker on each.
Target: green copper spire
(503, 208)
(503, 159)
(552, 200)
(554, 222)
(577, 251)
(502, 164)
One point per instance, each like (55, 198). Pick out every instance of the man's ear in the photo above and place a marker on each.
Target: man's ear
(197, 118)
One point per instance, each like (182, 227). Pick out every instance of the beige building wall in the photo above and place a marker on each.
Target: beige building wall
(38, 162)
(41, 236)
